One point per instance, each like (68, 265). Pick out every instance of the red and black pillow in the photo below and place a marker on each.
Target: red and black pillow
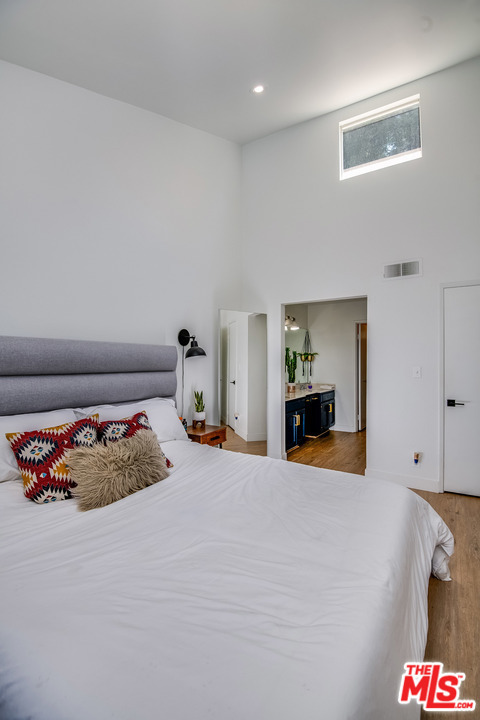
(42, 457)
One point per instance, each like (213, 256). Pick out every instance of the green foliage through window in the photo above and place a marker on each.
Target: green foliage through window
(371, 140)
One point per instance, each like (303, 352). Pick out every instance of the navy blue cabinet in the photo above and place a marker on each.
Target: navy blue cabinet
(310, 416)
(294, 423)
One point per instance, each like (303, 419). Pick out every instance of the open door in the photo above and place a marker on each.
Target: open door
(362, 375)
(462, 389)
(232, 374)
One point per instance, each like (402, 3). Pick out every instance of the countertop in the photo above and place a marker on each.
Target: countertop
(316, 387)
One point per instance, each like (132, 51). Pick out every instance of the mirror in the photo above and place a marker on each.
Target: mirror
(243, 373)
(294, 340)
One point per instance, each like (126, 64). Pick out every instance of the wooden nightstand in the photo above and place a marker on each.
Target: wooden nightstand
(209, 435)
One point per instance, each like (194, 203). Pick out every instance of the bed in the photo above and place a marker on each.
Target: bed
(237, 587)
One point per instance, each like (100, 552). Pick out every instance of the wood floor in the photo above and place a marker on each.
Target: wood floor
(237, 444)
(336, 450)
(453, 607)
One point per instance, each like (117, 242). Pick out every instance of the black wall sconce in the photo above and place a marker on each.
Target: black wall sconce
(183, 338)
(194, 350)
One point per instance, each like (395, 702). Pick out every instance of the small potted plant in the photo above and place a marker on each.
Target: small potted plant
(291, 367)
(199, 414)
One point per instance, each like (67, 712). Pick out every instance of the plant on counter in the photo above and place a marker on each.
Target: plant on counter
(291, 364)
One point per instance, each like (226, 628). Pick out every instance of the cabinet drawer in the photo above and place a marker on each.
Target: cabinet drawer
(208, 436)
(295, 405)
(217, 438)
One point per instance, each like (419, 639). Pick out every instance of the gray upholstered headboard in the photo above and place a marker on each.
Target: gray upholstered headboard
(38, 374)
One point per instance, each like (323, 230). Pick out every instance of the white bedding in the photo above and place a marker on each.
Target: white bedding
(239, 588)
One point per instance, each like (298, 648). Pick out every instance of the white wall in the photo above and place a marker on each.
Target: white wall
(115, 223)
(119, 224)
(308, 237)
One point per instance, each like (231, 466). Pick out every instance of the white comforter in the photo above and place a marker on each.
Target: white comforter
(239, 588)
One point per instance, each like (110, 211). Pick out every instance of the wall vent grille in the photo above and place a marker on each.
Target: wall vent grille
(409, 268)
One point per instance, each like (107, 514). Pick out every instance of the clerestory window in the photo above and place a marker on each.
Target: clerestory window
(383, 137)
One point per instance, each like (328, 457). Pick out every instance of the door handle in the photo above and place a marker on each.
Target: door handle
(453, 403)
(297, 419)
(232, 382)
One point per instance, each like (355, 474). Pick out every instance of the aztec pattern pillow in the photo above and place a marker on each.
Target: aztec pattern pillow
(42, 457)
(113, 430)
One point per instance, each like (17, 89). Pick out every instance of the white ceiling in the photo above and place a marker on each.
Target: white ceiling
(195, 61)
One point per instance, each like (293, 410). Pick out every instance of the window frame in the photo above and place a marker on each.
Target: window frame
(374, 116)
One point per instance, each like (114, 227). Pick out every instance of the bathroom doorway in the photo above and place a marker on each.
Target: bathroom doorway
(338, 334)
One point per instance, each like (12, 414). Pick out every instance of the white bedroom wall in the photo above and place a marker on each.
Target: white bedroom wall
(309, 237)
(116, 223)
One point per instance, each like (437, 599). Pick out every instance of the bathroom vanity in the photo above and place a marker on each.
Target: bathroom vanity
(309, 413)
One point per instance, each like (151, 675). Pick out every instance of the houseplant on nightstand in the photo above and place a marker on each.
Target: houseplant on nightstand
(199, 414)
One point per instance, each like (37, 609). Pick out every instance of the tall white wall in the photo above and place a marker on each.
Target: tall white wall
(115, 223)
(308, 237)
(118, 224)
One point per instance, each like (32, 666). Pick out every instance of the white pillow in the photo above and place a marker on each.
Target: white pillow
(161, 414)
(165, 422)
(111, 412)
(21, 423)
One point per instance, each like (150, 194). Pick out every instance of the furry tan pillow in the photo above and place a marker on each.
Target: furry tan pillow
(107, 473)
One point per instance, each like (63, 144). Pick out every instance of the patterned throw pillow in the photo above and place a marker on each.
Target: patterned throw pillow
(113, 430)
(41, 457)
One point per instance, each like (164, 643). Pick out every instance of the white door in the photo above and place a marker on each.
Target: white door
(232, 374)
(462, 389)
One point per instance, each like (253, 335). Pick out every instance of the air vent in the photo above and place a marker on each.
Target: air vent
(409, 268)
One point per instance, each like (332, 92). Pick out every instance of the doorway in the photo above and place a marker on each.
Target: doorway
(232, 362)
(338, 333)
(243, 374)
(461, 390)
(361, 374)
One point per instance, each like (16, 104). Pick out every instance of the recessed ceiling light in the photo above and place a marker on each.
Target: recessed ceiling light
(258, 89)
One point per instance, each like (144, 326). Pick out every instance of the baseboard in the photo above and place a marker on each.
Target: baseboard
(343, 428)
(414, 483)
(257, 437)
